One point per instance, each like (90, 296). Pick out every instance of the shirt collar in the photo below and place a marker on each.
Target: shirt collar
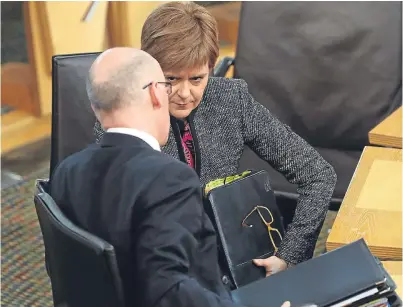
(148, 138)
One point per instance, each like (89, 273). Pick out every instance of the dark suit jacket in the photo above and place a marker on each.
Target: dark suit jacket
(227, 119)
(149, 207)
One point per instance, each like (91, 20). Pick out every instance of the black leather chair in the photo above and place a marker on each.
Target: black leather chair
(330, 70)
(72, 117)
(82, 268)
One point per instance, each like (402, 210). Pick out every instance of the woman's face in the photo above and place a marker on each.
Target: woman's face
(187, 89)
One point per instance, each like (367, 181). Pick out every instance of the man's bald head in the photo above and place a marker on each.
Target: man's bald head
(117, 77)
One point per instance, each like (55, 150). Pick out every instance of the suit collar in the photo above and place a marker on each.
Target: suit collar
(112, 139)
(146, 137)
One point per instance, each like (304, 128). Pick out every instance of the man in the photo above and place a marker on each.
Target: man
(145, 203)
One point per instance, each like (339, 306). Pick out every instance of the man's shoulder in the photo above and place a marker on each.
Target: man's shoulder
(66, 170)
(77, 157)
(163, 161)
(161, 174)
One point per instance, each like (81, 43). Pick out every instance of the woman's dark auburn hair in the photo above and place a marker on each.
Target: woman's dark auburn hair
(181, 35)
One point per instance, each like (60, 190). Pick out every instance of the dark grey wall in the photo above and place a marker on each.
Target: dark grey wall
(13, 43)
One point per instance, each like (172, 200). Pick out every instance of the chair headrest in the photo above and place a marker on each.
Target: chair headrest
(72, 117)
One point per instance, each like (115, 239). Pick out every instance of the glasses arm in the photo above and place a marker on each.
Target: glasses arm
(246, 217)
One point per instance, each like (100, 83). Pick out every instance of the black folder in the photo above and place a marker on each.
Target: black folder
(342, 274)
(227, 206)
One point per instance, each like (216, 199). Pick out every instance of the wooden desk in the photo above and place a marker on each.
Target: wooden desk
(19, 128)
(394, 269)
(389, 131)
(372, 207)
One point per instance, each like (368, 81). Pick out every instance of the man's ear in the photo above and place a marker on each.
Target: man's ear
(95, 111)
(155, 96)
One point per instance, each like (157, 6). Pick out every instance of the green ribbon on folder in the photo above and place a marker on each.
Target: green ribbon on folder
(223, 181)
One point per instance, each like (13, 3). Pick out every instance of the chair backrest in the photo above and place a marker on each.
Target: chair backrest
(82, 267)
(72, 117)
(330, 70)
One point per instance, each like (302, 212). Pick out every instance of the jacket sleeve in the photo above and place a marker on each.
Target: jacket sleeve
(167, 242)
(301, 164)
(98, 131)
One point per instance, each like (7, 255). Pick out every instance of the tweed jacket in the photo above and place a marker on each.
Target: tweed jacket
(228, 118)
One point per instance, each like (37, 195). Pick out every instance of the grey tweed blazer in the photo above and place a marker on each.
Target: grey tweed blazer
(227, 118)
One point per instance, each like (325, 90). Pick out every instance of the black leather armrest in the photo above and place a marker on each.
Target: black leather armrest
(222, 67)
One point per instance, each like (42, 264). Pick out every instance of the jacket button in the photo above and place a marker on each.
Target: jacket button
(225, 280)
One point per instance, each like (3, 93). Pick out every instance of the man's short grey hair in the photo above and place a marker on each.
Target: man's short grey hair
(120, 88)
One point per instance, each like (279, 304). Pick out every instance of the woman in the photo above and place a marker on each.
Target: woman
(213, 118)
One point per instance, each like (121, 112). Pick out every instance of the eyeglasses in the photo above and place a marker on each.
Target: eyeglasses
(268, 224)
(168, 86)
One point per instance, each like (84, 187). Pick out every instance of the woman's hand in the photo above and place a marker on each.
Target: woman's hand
(272, 265)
